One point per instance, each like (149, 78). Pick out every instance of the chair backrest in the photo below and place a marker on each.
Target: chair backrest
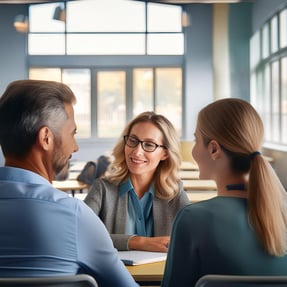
(88, 174)
(81, 280)
(211, 280)
(93, 170)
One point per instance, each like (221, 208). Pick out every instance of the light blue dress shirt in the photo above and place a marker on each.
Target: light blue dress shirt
(139, 217)
(45, 232)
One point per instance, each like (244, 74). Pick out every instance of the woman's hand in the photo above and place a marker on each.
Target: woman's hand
(155, 244)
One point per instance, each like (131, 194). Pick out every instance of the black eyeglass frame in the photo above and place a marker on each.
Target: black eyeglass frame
(126, 137)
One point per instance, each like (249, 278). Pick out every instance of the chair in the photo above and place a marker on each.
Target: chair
(81, 280)
(211, 280)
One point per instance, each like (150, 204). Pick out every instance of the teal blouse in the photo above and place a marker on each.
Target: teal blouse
(215, 237)
(139, 219)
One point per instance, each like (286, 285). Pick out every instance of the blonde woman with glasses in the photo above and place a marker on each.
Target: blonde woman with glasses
(140, 197)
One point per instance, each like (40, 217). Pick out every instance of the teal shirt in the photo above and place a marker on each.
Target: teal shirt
(139, 216)
(215, 237)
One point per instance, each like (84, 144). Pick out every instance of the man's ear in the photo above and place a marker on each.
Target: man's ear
(45, 138)
(214, 149)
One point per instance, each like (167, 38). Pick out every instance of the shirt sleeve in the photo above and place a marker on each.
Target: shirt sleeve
(96, 253)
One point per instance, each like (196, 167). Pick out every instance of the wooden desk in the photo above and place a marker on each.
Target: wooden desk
(150, 274)
(196, 196)
(70, 185)
(189, 174)
(188, 165)
(198, 184)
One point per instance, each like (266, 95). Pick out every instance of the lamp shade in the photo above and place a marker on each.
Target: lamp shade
(21, 23)
(59, 14)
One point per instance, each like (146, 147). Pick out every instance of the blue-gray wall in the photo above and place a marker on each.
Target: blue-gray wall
(12, 46)
(239, 33)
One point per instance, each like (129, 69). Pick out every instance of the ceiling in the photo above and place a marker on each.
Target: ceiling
(154, 1)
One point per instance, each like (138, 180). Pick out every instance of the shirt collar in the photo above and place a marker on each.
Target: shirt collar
(127, 186)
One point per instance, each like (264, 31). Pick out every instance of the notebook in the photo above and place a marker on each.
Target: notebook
(136, 257)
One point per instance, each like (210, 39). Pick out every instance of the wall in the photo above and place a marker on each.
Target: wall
(12, 47)
(239, 34)
(198, 64)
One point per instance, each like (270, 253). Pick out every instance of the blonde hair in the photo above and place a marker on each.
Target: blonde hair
(166, 177)
(238, 128)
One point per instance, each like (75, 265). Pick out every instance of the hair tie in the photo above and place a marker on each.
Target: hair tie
(254, 154)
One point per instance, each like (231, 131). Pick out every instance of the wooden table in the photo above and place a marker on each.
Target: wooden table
(196, 196)
(189, 174)
(198, 184)
(188, 165)
(150, 274)
(70, 185)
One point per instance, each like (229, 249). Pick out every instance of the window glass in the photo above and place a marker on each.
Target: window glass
(49, 74)
(168, 91)
(266, 103)
(105, 16)
(254, 50)
(142, 90)
(79, 80)
(284, 99)
(111, 110)
(105, 44)
(41, 18)
(46, 44)
(163, 18)
(165, 44)
(283, 28)
(274, 34)
(265, 41)
(275, 102)
(106, 27)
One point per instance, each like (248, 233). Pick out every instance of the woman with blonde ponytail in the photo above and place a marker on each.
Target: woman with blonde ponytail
(142, 193)
(242, 231)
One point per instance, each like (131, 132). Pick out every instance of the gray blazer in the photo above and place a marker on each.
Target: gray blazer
(105, 201)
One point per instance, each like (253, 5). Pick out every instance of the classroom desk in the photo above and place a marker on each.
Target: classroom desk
(189, 174)
(70, 185)
(196, 196)
(198, 184)
(150, 274)
(188, 165)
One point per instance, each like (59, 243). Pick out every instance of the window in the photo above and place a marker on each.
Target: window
(269, 76)
(116, 68)
(79, 80)
(158, 89)
(106, 27)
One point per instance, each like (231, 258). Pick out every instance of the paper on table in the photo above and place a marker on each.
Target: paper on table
(136, 257)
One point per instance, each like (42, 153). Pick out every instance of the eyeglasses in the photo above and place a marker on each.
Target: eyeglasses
(147, 146)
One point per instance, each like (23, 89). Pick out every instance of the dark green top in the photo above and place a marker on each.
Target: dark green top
(214, 237)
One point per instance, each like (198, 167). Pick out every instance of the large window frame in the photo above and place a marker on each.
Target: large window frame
(96, 63)
(268, 66)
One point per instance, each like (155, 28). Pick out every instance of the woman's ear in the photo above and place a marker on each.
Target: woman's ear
(165, 156)
(214, 149)
(45, 138)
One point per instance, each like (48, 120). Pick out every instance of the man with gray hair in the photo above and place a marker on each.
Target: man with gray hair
(44, 231)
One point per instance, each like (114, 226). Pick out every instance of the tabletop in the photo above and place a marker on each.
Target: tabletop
(198, 184)
(151, 272)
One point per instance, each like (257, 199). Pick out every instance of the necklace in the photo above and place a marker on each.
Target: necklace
(237, 186)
